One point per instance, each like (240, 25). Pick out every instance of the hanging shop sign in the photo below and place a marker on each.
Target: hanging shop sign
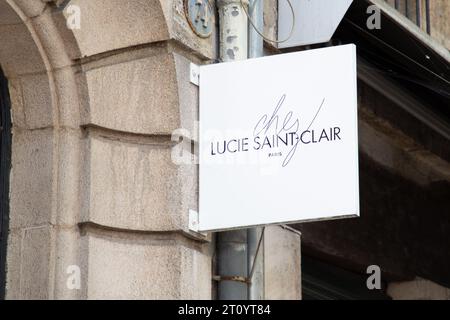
(305, 22)
(278, 139)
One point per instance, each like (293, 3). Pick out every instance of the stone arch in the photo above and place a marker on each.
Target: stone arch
(58, 82)
(37, 57)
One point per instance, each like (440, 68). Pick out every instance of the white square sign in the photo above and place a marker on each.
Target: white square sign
(279, 139)
(315, 21)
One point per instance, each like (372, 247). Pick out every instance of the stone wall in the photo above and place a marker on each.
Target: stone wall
(92, 181)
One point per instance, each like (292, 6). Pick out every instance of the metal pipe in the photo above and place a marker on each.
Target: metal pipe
(233, 30)
(232, 259)
(255, 41)
(427, 15)
(419, 13)
(255, 249)
(406, 9)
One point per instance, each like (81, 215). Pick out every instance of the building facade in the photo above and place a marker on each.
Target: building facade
(93, 207)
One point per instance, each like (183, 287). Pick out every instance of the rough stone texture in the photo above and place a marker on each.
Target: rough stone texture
(68, 178)
(31, 8)
(18, 52)
(440, 22)
(37, 104)
(126, 23)
(35, 249)
(134, 184)
(139, 96)
(8, 15)
(29, 249)
(31, 178)
(68, 251)
(282, 268)
(131, 266)
(31, 98)
(57, 42)
(69, 105)
(124, 77)
(114, 24)
(418, 289)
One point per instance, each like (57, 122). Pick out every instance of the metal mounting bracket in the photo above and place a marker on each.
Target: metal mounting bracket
(194, 223)
(194, 74)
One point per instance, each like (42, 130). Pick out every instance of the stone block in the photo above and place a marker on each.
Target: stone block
(37, 101)
(31, 178)
(69, 176)
(69, 101)
(18, 52)
(282, 278)
(145, 267)
(135, 185)
(121, 24)
(138, 96)
(31, 8)
(7, 14)
(418, 289)
(28, 266)
(68, 254)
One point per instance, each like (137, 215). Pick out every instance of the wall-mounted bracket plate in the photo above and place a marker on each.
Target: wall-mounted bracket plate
(194, 223)
(194, 74)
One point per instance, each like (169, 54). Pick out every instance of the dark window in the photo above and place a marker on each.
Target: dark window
(325, 281)
(415, 10)
(5, 165)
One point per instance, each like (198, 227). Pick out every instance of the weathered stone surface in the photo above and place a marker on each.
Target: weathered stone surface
(134, 184)
(114, 24)
(129, 23)
(7, 14)
(69, 104)
(418, 289)
(282, 269)
(58, 44)
(128, 179)
(37, 103)
(68, 253)
(16, 98)
(130, 266)
(13, 262)
(440, 22)
(68, 177)
(18, 52)
(139, 96)
(31, 178)
(31, 8)
(28, 266)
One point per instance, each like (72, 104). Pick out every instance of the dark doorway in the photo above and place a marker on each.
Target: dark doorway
(5, 165)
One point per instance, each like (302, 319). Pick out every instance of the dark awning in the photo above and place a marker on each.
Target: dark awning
(402, 52)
